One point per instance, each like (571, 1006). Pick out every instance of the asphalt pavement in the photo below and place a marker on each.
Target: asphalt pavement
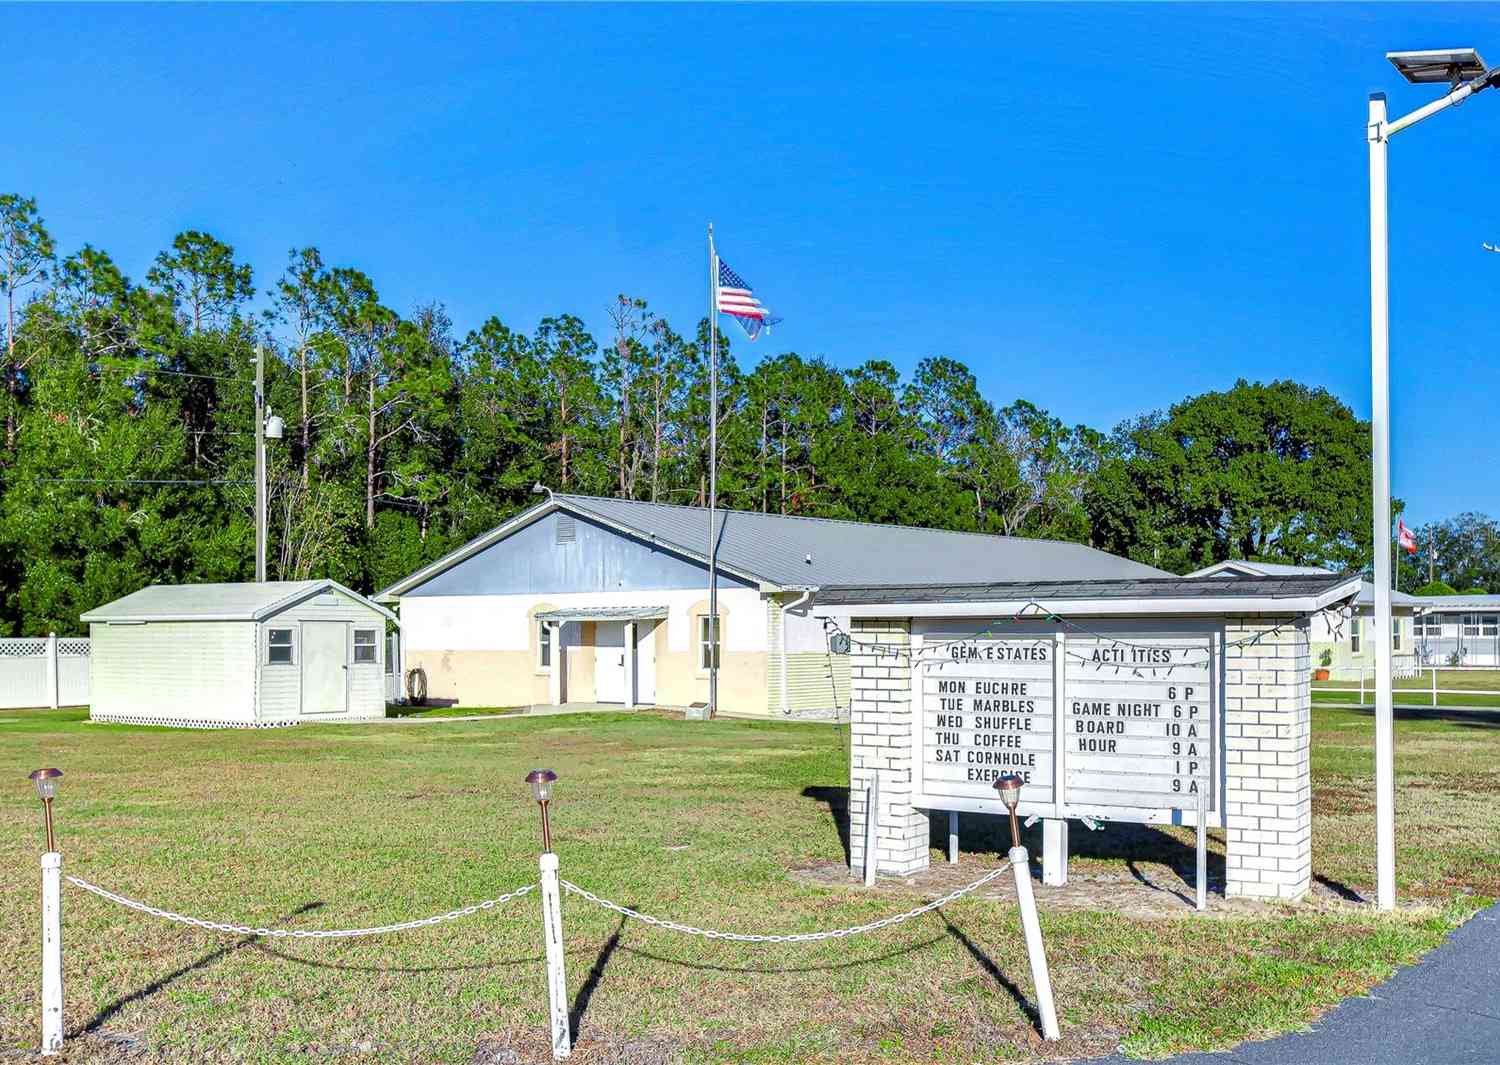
(1445, 1010)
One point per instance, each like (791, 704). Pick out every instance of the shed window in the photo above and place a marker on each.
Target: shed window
(279, 647)
(543, 645)
(708, 642)
(364, 646)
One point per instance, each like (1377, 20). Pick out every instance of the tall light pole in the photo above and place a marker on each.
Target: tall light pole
(1465, 73)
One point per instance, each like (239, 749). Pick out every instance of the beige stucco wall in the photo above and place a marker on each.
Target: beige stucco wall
(481, 650)
(1344, 663)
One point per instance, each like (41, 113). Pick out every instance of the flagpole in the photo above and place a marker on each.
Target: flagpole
(713, 473)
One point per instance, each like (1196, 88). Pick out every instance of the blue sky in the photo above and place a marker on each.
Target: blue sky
(1100, 209)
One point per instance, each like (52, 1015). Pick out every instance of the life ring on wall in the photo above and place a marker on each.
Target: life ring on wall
(416, 686)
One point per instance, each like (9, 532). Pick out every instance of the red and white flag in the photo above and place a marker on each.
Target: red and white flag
(1405, 538)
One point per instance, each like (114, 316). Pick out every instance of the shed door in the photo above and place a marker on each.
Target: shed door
(325, 667)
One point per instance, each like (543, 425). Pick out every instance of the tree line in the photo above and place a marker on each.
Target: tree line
(128, 434)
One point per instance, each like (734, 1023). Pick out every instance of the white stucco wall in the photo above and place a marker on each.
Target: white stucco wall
(501, 622)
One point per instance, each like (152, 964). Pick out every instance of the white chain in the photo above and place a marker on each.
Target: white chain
(298, 933)
(795, 937)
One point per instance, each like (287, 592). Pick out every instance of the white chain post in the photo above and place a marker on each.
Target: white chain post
(557, 984)
(1020, 862)
(52, 971)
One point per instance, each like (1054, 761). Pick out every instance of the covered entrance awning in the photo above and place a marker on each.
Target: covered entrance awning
(623, 663)
(604, 613)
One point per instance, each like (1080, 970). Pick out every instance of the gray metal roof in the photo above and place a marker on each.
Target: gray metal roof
(604, 613)
(1454, 604)
(1147, 589)
(240, 601)
(1239, 567)
(795, 551)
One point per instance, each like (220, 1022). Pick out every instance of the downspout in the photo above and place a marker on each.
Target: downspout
(786, 705)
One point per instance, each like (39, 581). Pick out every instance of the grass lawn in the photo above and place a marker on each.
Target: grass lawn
(340, 826)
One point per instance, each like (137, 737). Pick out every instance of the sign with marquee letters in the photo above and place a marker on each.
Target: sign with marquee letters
(1123, 728)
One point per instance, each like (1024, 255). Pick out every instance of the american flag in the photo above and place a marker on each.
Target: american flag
(736, 299)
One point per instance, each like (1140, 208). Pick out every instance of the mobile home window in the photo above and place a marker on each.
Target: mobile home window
(364, 646)
(1354, 636)
(279, 647)
(708, 642)
(543, 645)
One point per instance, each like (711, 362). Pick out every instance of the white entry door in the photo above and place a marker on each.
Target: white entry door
(609, 661)
(645, 662)
(325, 667)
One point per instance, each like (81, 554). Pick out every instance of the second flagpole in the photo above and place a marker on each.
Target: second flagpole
(713, 474)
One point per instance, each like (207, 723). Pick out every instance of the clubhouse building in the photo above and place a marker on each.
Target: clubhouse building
(587, 600)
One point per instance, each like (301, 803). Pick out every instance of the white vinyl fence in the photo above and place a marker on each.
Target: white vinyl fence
(45, 671)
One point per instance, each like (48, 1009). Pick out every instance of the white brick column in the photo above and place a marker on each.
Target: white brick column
(1268, 744)
(882, 716)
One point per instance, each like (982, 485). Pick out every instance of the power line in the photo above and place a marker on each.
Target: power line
(132, 480)
(175, 373)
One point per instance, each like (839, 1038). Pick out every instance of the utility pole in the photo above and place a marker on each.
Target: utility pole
(260, 462)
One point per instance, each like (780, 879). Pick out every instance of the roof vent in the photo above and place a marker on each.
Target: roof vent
(567, 529)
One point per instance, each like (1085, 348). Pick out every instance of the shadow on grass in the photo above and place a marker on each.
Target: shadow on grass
(107, 1012)
(1485, 719)
(995, 972)
(771, 970)
(396, 970)
(591, 982)
(837, 800)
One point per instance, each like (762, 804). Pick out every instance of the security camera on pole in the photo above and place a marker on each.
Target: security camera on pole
(267, 427)
(1465, 74)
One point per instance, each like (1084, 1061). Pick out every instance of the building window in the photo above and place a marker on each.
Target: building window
(279, 647)
(1354, 636)
(364, 646)
(708, 642)
(1490, 624)
(1471, 624)
(1429, 625)
(1395, 634)
(543, 645)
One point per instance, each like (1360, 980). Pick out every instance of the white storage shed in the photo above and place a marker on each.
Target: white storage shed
(238, 655)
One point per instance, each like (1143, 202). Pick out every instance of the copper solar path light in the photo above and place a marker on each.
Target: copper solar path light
(45, 782)
(1008, 787)
(541, 781)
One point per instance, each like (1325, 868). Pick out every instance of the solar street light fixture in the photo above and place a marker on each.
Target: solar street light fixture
(1465, 74)
(1008, 787)
(541, 781)
(45, 782)
(1452, 65)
